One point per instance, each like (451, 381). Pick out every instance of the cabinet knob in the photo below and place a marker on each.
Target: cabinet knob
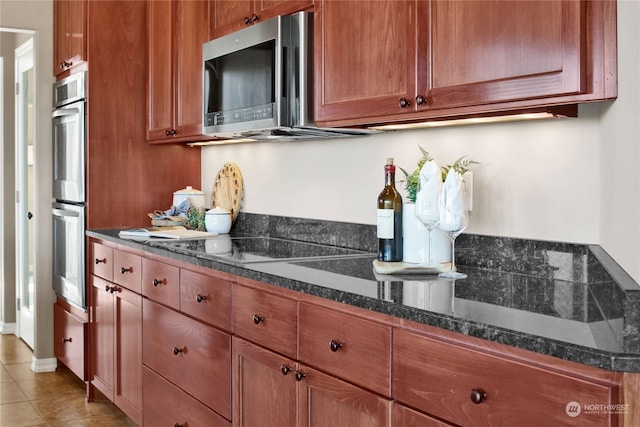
(300, 375)
(404, 103)
(200, 298)
(177, 350)
(335, 345)
(66, 340)
(107, 288)
(285, 369)
(247, 21)
(126, 270)
(257, 318)
(254, 18)
(101, 261)
(157, 282)
(478, 395)
(170, 132)
(65, 64)
(421, 100)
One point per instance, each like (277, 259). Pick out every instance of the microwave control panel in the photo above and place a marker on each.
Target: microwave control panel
(240, 115)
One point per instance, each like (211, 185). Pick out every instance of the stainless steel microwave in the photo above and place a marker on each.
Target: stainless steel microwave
(259, 80)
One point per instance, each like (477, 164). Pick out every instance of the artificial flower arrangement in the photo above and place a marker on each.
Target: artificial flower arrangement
(461, 165)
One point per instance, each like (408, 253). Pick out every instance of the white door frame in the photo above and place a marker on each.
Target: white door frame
(25, 282)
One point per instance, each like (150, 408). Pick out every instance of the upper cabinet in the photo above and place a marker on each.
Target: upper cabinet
(439, 59)
(177, 30)
(231, 15)
(69, 44)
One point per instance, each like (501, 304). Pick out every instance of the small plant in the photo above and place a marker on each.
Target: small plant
(411, 180)
(195, 219)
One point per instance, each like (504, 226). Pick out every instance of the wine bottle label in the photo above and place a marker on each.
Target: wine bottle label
(385, 224)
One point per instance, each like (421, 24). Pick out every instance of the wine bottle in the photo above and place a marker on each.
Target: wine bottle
(389, 217)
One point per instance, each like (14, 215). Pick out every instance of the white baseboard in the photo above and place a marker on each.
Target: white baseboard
(8, 328)
(44, 365)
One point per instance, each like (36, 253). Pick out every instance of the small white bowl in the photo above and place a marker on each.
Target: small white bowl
(217, 220)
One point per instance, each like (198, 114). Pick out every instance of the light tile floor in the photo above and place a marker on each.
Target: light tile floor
(52, 399)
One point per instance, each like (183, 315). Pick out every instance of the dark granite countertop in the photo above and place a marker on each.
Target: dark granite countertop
(564, 300)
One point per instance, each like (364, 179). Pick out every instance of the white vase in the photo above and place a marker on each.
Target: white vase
(415, 239)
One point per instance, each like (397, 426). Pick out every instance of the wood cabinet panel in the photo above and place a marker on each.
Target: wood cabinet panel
(404, 417)
(102, 261)
(102, 337)
(376, 71)
(127, 270)
(443, 380)
(193, 356)
(161, 282)
(266, 319)
(69, 336)
(69, 42)
(167, 405)
(325, 401)
(206, 298)
(264, 387)
(351, 348)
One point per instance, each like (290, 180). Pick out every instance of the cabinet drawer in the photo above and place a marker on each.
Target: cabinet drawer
(69, 338)
(266, 319)
(161, 282)
(167, 405)
(127, 270)
(444, 380)
(102, 263)
(190, 354)
(206, 298)
(352, 348)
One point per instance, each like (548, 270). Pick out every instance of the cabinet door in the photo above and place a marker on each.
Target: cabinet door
(192, 32)
(483, 52)
(69, 34)
(229, 15)
(103, 337)
(68, 340)
(206, 298)
(326, 401)
(160, 92)
(376, 71)
(128, 341)
(266, 9)
(264, 387)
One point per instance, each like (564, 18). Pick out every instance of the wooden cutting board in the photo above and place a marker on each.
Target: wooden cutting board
(228, 189)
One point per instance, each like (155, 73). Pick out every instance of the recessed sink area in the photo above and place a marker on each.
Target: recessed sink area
(256, 249)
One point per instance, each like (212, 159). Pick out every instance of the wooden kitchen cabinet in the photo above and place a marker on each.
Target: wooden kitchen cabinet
(69, 41)
(206, 298)
(231, 15)
(469, 387)
(116, 342)
(442, 59)
(176, 31)
(161, 282)
(69, 337)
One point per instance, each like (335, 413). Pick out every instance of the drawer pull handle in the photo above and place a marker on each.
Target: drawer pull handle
(107, 288)
(177, 350)
(66, 340)
(478, 395)
(157, 282)
(285, 369)
(300, 375)
(335, 345)
(404, 103)
(103, 260)
(257, 318)
(200, 298)
(421, 100)
(126, 270)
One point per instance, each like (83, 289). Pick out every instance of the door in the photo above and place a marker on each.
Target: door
(25, 134)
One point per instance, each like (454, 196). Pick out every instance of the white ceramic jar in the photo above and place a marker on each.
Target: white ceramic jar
(196, 197)
(217, 220)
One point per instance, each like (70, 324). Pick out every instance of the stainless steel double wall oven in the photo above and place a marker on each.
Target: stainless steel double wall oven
(69, 147)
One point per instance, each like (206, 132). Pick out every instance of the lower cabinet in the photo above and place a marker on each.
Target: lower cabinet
(69, 336)
(117, 345)
(270, 389)
(406, 417)
(164, 404)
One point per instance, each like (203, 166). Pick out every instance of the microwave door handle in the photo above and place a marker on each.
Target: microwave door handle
(285, 71)
(64, 212)
(65, 112)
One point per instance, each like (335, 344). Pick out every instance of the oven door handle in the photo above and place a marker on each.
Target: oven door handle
(65, 212)
(64, 112)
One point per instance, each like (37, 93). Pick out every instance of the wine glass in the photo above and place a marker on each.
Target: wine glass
(454, 217)
(427, 212)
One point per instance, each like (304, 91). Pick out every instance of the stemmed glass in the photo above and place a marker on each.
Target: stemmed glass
(454, 217)
(427, 212)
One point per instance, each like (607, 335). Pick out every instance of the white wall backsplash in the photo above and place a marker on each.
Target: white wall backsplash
(573, 180)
